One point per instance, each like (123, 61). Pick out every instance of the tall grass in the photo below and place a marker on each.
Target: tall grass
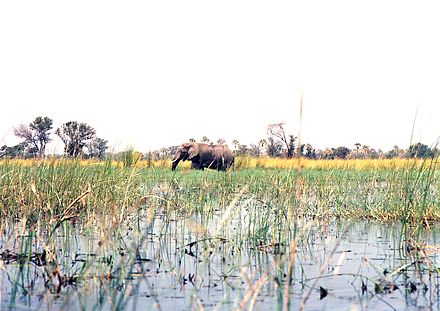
(263, 204)
(132, 158)
(244, 162)
(378, 189)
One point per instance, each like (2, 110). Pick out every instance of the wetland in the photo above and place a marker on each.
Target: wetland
(96, 236)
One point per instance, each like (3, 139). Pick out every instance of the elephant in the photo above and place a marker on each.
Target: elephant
(203, 156)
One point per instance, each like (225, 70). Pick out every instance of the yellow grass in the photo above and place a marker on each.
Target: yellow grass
(250, 162)
(295, 163)
(356, 164)
(49, 161)
(59, 161)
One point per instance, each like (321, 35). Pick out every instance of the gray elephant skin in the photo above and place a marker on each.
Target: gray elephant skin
(204, 156)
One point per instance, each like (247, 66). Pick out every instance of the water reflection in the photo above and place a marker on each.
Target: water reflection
(202, 261)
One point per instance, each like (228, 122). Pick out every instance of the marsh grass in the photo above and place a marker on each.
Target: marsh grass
(55, 191)
(132, 158)
(73, 222)
(40, 205)
(246, 162)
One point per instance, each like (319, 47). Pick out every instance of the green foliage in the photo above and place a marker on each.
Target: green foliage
(310, 152)
(21, 150)
(422, 151)
(41, 127)
(396, 152)
(75, 137)
(342, 152)
(96, 148)
(274, 147)
(35, 136)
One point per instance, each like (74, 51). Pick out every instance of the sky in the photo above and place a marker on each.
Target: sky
(152, 74)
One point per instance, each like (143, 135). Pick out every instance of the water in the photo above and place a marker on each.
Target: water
(215, 262)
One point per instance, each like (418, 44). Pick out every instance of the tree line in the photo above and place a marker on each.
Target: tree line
(80, 140)
(281, 144)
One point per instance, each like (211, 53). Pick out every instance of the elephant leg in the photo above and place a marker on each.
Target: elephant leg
(196, 165)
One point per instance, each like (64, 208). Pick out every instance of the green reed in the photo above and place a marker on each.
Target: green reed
(46, 207)
(50, 194)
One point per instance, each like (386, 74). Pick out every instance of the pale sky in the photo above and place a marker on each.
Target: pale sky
(152, 74)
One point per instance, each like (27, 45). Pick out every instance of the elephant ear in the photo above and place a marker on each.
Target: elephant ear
(193, 151)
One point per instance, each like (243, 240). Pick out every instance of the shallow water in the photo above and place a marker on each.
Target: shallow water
(199, 261)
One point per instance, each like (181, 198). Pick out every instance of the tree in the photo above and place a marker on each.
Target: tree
(310, 152)
(291, 147)
(420, 150)
(206, 140)
(396, 152)
(36, 135)
(96, 148)
(164, 153)
(236, 144)
(366, 151)
(341, 152)
(273, 147)
(256, 150)
(221, 142)
(24, 132)
(22, 150)
(356, 153)
(242, 150)
(41, 127)
(75, 137)
(329, 153)
(277, 131)
(300, 150)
